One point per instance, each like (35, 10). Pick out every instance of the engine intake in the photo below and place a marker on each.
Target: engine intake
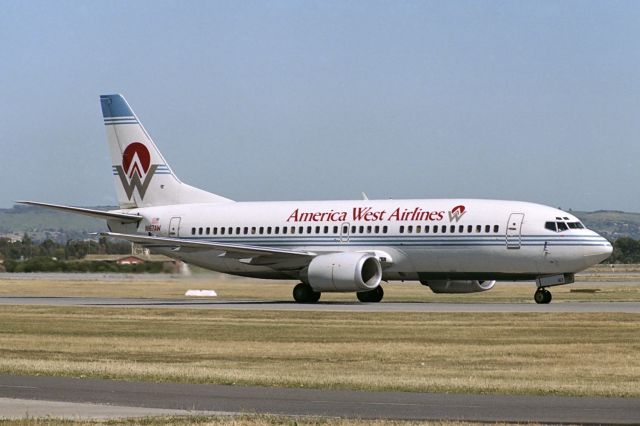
(344, 272)
(450, 286)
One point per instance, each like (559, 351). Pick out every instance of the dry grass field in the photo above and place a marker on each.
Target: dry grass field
(242, 420)
(566, 354)
(545, 353)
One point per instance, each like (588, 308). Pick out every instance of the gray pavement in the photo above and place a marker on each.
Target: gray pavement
(620, 307)
(332, 403)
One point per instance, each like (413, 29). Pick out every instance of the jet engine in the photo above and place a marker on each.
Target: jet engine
(458, 286)
(344, 272)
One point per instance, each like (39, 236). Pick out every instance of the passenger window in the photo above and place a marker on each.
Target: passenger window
(268, 230)
(452, 229)
(308, 229)
(478, 228)
(443, 229)
(326, 229)
(562, 226)
(384, 229)
(246, 230)
(253, 230)
(496, 228)
(284, 229)
(361, 229)
(261, 230)
(199, 231)
(435, 229)
(208, 230)
(277, 230)
(487, 228)
(335, 229)
(317, 229)
(551, 226)
(418, 229)
(222, 231)
(293, 229)
(377, 229)
(353, 229)
(193, 231)
(230, 231)
(426, 229)
(409, 229)
(215, 230)
(469, 228)
(345, 229)
(461, 229)
(301, 230)
(402, 229)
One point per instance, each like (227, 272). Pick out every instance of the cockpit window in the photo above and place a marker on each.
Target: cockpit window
(560, 226)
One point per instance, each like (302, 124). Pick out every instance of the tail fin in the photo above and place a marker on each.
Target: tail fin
(142, 176)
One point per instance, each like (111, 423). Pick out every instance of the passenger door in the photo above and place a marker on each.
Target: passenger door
(514, 228)
(174, 227)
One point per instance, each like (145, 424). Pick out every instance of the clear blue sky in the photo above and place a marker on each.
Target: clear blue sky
(277, 100)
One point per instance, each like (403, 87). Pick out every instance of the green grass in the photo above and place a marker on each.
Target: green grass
(556, 354)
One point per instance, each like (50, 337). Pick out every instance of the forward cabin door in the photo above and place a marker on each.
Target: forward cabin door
(174, 227)
(514, 228)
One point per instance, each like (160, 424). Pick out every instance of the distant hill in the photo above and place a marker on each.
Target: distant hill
(43, 223)
(612, 224)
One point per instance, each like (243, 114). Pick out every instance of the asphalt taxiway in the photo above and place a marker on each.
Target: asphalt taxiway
(326, 403)
(617, 307)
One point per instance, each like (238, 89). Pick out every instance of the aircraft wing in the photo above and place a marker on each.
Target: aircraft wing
(237, 250)
(100, 214)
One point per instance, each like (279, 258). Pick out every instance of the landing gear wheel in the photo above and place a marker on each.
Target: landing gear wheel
(371, 296)
(303, 293)
(542, 295)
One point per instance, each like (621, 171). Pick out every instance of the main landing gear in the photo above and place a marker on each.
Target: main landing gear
(371, 296)
(542, 295)
(303, 293)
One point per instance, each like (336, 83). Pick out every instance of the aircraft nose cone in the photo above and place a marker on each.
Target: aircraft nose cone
(597, 253)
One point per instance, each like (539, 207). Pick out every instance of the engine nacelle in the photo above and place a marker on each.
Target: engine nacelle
(458, 286)
(343, 272)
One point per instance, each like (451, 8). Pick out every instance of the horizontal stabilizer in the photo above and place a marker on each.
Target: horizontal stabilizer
(150, 241)
(100, 214)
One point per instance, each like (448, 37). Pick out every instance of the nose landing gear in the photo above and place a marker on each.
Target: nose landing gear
(542, 295)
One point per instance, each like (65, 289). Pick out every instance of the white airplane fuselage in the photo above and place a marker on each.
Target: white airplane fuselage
(418, 239)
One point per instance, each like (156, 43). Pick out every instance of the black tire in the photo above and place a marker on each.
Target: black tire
(539, 296)
(547, 296)
(371, 296)
(303, 293)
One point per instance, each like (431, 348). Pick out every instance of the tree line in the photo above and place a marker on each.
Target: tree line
(51, 256)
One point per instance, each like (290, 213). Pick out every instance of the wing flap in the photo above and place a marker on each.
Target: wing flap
(233, 249)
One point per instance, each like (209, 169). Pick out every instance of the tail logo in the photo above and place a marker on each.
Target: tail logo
(456, 213)
(136, 170)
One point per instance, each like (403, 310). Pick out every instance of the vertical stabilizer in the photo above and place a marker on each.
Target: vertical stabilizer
(142, 176)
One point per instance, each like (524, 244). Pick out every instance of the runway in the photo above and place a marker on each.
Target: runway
(327, 403)
(572, 307)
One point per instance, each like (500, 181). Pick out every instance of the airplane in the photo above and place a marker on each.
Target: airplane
(449, 245)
